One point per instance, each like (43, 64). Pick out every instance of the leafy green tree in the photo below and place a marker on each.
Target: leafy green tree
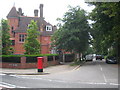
(5, 37)
(0, 40)
(73, 35)
(106, 27)
(32, 45)
(90, 50)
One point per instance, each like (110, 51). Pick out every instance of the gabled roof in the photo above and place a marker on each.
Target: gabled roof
(12, 13)
(24, 21)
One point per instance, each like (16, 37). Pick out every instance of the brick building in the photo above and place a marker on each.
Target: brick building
(19, 25)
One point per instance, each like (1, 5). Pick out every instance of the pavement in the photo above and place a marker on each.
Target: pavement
(63, 67)
(48, 70)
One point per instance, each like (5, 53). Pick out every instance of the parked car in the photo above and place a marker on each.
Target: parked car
(99, 57)
(89, 57)
(111, 60)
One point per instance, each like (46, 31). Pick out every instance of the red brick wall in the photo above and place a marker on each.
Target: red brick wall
(45, 44)
(19, 49)
(24, 65)
(11, 65)
(13, 22)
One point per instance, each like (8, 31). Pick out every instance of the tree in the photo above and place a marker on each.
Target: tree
(73, 35)
(32, 45)
(0, 40)
(90, 50)
(106, 27)
(6, 43)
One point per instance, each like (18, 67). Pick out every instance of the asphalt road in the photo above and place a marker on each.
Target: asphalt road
(95, 74)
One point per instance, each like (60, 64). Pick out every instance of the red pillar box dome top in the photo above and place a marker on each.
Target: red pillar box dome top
(40, 64)
(40, 57)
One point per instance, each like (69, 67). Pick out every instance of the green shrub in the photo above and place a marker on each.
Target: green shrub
(29, 58)
(40, 55)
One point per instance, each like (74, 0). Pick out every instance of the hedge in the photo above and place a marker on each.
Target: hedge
(29, 58)
(40, 55)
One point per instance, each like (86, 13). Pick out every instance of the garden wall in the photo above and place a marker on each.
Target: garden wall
(27, 62)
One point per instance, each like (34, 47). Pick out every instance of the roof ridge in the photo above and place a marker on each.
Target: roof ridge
(13, 12)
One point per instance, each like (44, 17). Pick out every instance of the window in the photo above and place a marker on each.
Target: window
(13, 34)
(22, 37)
(48, 28)
(12, 28)
(13, 42)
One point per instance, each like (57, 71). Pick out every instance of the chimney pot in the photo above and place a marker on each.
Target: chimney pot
(36, 13)
(41, 10)
(20, 11)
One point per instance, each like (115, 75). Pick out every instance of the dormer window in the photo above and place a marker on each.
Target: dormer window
(48, 28)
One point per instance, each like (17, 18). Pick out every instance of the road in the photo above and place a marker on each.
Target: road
(95, 74)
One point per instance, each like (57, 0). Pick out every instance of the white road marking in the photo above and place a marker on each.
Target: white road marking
(7, 85)
(2, 74)
(114, 84)
(52, 80)
(104, 78)
(96, 83)
(76, 68)
(103, 73)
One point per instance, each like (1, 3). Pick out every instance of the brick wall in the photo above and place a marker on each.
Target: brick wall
(13, 22)
(24, 65)
(19, 49)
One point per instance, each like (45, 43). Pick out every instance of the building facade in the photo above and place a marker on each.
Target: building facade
(18, 27)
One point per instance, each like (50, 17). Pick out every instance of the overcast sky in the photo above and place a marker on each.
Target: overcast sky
(52, 9)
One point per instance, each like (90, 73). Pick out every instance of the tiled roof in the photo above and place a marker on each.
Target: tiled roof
(12, 13)
(24, 21)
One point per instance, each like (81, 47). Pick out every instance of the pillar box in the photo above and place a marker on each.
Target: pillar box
(40, 64)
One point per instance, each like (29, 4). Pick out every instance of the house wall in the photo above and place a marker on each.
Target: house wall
(44, 40)
(45, 44)
(19, 48)
(13, 22)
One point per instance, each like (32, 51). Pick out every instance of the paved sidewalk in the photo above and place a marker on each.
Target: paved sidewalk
(50, 70)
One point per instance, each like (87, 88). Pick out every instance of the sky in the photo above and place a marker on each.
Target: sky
(52, 9)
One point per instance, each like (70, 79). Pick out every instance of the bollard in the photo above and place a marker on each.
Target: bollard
(40, 64)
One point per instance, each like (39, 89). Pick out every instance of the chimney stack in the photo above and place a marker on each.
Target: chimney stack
(20, 11)
(36, 13)
(41, 10)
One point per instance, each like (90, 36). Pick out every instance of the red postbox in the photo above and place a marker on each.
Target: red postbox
(40, 64)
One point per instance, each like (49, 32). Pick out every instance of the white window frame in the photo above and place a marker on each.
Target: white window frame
(22, 38)
(48, 28)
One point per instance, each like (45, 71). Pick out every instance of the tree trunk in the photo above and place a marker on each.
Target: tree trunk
(63, 57)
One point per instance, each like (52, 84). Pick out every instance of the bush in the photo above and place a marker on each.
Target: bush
(39, 55)
(29, 58)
